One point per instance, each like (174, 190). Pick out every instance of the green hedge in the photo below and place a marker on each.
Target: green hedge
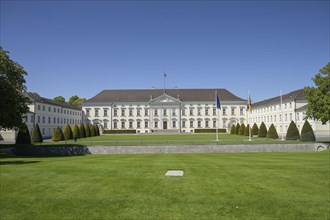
(82, 131)
(262, 130)
(238, 126)
(272, 133)
(255, 129)
(210, 130)
(241, 129)
(292, 133)
(307, 133)
(23, 136)
(233, 129)
(119, 132)
(247, 130)
(67, 132)
(58, 135)
(36, 134)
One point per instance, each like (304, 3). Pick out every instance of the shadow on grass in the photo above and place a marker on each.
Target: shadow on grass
(17, 162)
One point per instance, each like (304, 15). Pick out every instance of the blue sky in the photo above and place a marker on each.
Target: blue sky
(83, 47)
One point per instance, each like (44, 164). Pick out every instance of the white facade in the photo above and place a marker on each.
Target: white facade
(293, 108)
(49, 115)
(164, 113)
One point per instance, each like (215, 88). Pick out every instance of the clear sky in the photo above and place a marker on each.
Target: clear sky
(83, 47)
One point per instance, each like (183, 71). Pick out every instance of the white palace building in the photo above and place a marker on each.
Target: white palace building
(171, 110)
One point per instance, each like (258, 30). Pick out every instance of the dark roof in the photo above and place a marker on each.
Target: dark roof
(297, 95)
(144, 95)
(35, 97)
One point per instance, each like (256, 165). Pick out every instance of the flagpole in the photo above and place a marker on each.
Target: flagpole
(164, 82)
(249, 100)
(282, 115)
(216, 102)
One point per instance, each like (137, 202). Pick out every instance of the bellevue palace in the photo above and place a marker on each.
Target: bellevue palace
(170, 110)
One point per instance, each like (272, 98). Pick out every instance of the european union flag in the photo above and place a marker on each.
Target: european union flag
(218, 102)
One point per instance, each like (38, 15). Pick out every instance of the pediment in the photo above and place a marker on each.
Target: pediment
(165, 99)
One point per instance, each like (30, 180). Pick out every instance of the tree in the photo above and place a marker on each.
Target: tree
(292, 133)
(59, 99)
(237, 128)
(318, 106)
(272, 133)
(58, 135)
(67, 132)
(75, 131)
(82, 131)
(87, 130)
(233, 129)
(255, 129)
(23, 136)
(13, 102)
(36, 134)
(307, 133)
(247, 130)
(97, 130)
(262, 131)
(241, 130)
(75, 100)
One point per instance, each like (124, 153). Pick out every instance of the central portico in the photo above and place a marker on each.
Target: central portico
(165, 113)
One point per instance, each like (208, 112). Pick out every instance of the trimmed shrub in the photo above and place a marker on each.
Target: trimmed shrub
(272, 133)
(262, 131)
(119, 131)
(97, 130)
(23, 136)
(237, 128)
(82, 131)
(36, 134)
(255, 129)
(92, 129)
(87, 130)
(210, 130)
(75, 131)
(67, 132)
(233, 129)
(241, 130)
(246, 132)
(307, 133)
(58, 135)
(292, 133)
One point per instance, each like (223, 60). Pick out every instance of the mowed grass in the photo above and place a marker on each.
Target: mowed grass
(214, 186)
(170, 139)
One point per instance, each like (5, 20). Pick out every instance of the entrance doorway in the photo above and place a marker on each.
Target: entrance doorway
(164, 124)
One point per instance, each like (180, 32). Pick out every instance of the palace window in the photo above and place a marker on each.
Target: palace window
(199, 124)
(105, 113)
(130, 124)
(123, 112)
(146, 124)
(214, 111)
(130, 112)
(49, 120)
(122, 124)
(241, 111)
(183, 111)
(174, 124)
(49, 109)
(183, 124)
(39, 119)
(297, 116)
(214, 123)
(146, 112)
(290, 116)
(87, 112)
(115, 125)
(156, 112)
(199, 111)
(206, 111)
(115, 114)
(54, 121)
(156, 124)
(207, 124)
(191, 124)
(191, 111)
(105, 124)
(43, 120)
(96, 113)
(224, 111)
(232, 111)
(138, 112)
(164, 112)
(286, 117)
(138, 124)
(173, 112)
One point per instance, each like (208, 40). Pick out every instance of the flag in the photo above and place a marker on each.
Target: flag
(218, 102)
(249, 104)
(165, 75)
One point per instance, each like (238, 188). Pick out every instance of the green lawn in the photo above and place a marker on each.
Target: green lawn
(215, 186)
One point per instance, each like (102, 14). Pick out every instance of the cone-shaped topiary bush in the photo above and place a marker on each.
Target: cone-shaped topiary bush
(67, 132)
(58, 135)
(292, 133)
(307, 133)
(246, 132)
(233, 129)
(255, 129)
(241, 130)
(82, 131)
(92, 128)
(262, 131)
(237, 128)
(97, 130)
(23, 136)
(87, 130)
(36, 135)
(272, 133)
(75, 131)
